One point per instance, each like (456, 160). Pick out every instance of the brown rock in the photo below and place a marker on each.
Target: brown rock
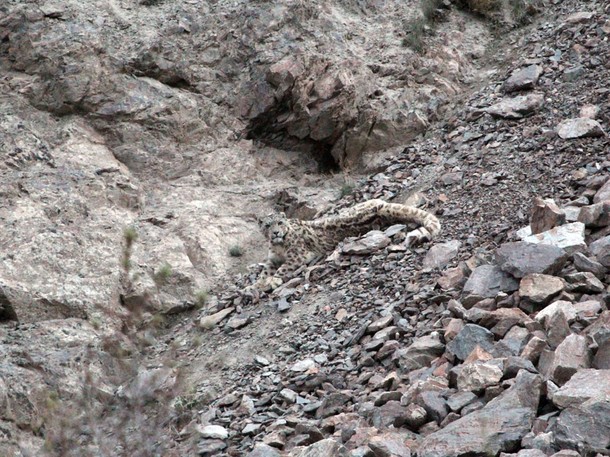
(539, 288)
(570, 356)
(545, 215)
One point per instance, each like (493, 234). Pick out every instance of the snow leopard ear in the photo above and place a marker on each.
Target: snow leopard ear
(283, 215)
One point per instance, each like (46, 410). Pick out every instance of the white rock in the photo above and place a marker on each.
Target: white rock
(303, 365)
(213, 431)
(579, 127)
(570, 237)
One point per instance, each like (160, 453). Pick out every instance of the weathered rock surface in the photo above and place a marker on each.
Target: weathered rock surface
(521, 259)
(578, 128)
(487, 281)
(498, 427)
(517, 107)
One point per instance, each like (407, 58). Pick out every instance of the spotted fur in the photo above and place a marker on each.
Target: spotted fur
(293, 243)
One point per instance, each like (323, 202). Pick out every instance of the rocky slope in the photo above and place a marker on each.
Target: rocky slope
(183, 119)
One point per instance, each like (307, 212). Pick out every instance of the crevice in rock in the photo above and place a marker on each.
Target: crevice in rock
(7, 312)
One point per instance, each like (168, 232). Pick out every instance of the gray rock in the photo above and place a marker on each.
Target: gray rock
(263, 450)
(521, 258)
(584, 282)
(569, 237)
(434, 404)
(460, 399)
(439, 255)
(603, 193)
(596, 215)
(497, 427)
(558, 329)
(371, 242)
(390, 413)
(601, 361)
(389, 444)
(539, 288)
(599, 331)
(332, 404)
(584, 263)
(421, 352)
(584, 385)
(570, 356)
(573, 73)
(578, 128)
(251, 429)
(470, 337)
(524, 78)
(514, 341)
(517, 107)
(585, 427)
(514, 364)
(380, 323)
(486, 281)
(324, 448)
(601, 250)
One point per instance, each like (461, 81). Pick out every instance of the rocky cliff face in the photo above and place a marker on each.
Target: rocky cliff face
(169, 126)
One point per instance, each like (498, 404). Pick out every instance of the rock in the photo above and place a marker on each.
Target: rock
(584, 263)
(587, 309)
(601, 361)
(603, 193)
(521, 258)
(332, 404)
(557, 329)
(468, 339)
(324, 448)
(524, 78)
(477, 376)
(415, 416)
(584, 282)
(452, 278)
(390, 413)
(596, 215)
(497, 427)
(599, 331)
(584, 385)
(545, 215)
(569, 237)
(533, 349)
(585, 426)
(380, 323)
(303, 365)
(539, 288)
(513, 342)
(580, 17)
(487, 281)
(209, 322)
(460, 399)
(389, 444)
(251, 429)
(440, 255)
(578, 128)
(565, 307)
(453, 328)
(263, 450)
(214, 432)
(434, 404)
(289, 395)
(570, 356)
(371, 242)
(513, 365)
(421, 352)
(210, 447)
(517, 107)
(601, 250)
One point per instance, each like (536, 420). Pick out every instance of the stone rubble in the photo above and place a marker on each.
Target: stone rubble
(491, 340)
